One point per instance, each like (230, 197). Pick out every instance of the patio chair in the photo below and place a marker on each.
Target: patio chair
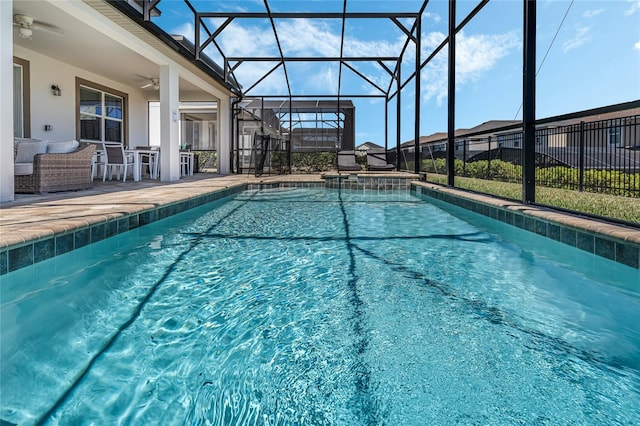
(347, 161)
(116, 157)
(150, 160)
(377, 160)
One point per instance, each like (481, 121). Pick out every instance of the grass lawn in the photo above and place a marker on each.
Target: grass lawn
(621, 208)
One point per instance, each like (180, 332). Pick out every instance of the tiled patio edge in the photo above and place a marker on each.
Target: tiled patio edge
(614, 242)
(31, 252)
(81, 233)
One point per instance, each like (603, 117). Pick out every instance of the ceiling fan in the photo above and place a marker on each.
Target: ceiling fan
(26, 25)
(155, 83)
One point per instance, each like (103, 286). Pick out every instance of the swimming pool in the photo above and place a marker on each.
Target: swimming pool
(322, 307)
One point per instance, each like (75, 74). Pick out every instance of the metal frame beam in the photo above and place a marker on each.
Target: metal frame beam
(529, 104)
(451, 95)
(312, 58)
(310, 15)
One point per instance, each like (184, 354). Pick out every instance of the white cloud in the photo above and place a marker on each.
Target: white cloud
(592, 13)
(476, 55)
(637, 45)
(581, 37)
(238, 40)
(324, 78)
(185, 29)
(635, 6)
(304, 37)
(436, 18)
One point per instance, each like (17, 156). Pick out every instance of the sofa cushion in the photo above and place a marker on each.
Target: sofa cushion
(26, 150)
(20, 169)
(62, 147)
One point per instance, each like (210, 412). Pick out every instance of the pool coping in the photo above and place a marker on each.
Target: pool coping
(62, 235)
(609, 240)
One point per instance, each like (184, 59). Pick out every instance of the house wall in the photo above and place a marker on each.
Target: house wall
(556, 140)
(60, 111)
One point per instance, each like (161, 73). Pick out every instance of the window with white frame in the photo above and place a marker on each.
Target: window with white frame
(101, 114)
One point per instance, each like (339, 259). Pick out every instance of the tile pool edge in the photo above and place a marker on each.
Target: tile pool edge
(21, 255)
(614, 242)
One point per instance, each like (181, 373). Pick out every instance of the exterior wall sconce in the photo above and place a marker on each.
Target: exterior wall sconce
(55, 89)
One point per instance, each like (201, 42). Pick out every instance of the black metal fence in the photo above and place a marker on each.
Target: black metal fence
(598, 156)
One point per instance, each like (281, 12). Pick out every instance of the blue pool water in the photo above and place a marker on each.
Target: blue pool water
(322, 307)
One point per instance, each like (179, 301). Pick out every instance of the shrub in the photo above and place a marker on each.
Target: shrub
(207, 159)
(312, 162)
(612, 182)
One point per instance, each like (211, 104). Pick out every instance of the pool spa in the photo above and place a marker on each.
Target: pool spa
(316, 306)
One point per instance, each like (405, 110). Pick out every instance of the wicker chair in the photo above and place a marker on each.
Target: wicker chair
(58, 172)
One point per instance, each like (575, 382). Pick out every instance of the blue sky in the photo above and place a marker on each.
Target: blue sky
(591, 57)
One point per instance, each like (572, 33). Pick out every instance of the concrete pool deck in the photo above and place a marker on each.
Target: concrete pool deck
(37, 227)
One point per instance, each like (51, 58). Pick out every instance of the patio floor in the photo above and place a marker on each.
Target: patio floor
(32, 216)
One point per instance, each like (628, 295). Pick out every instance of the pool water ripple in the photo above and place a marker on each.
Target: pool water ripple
(316, 307)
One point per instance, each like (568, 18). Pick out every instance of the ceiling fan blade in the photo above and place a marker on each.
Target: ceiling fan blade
(42, 26)
(146, 85)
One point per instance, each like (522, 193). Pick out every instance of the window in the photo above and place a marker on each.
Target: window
(614, 135)
(21, 110)
(101, 113)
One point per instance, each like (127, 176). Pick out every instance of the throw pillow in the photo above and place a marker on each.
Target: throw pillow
(16, 141)
(26, 150)
(62, 147)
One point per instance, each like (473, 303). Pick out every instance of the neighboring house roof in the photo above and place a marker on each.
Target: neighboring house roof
(488, 127)
(596, 117)
(368, 145)
(494, 127)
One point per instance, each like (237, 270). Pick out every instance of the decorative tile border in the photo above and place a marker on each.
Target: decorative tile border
(613, 242)
(16, 257)
(615, 247)
(368, 183)
(275, 185)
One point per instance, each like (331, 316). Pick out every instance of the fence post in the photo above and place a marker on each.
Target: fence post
(464, 157)
(581, 159)
(489, 159)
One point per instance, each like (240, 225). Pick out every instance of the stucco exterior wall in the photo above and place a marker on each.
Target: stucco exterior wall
(60, 111)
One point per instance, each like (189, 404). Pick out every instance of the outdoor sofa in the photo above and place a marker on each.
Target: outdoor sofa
(47, 166)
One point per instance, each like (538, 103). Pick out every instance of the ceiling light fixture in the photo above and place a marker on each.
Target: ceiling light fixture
(25, 32)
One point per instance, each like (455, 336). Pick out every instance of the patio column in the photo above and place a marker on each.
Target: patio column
(6, 106)
(169, 124)
(224, 136)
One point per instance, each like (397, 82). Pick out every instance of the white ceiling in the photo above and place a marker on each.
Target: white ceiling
(84, 47)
